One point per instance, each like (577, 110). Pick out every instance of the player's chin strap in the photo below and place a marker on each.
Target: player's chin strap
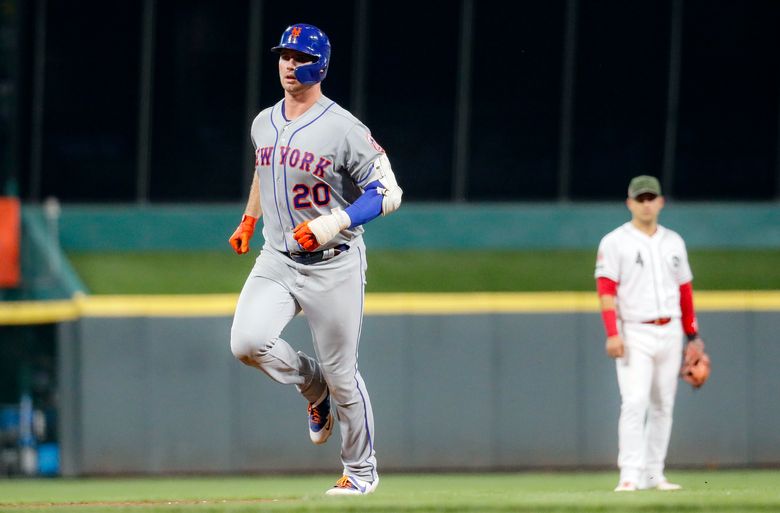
(390, 190)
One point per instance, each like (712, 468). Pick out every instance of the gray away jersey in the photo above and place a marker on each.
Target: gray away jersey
(306, 167)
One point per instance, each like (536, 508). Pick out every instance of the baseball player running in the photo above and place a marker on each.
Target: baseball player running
(644, 286)
(319, 176)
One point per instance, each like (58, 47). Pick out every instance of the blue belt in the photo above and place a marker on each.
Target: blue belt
(308, 258)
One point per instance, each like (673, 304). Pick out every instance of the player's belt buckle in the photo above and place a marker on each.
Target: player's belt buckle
(659, 322)
(318, 256)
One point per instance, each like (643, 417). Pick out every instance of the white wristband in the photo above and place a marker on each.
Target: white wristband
(327, 227)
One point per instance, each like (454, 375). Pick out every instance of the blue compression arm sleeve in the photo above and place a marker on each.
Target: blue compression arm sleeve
(367, 206)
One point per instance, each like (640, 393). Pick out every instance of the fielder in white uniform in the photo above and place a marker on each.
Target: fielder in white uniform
(319, 176)
(644, 286)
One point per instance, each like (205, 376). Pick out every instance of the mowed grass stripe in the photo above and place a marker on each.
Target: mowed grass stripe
(413, 271)
(718, 491)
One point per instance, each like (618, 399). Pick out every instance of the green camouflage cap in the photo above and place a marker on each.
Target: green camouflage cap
(643, 184)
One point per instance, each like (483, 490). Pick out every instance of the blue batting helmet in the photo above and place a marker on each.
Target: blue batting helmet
(312, 41)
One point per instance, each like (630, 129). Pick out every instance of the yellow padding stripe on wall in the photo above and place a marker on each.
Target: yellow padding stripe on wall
(480, 303)
(37, 312)
(221, 305)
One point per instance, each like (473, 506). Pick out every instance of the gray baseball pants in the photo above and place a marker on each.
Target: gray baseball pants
(331, 295)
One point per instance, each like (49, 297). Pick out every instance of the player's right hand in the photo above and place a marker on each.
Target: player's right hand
(614, 346)
(240, 238)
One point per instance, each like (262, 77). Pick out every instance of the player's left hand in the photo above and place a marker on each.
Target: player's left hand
(303, 236)
(313, 234)
(696, 363)
(693, 351)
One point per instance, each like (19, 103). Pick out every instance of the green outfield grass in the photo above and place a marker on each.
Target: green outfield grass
(413, 271)
(710, 491)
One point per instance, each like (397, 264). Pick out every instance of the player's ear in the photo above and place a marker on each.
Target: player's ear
(661, 201)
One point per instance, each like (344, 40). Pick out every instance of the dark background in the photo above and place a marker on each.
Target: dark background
(724, 124)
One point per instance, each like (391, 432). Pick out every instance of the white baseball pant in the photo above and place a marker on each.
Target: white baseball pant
(647, 376)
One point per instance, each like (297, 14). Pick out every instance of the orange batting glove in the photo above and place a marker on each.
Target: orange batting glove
(303, 236)
(240, 238)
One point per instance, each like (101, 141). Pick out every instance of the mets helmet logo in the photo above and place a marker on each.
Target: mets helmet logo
(294, 34)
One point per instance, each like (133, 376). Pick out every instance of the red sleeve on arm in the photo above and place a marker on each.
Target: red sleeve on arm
(610, 322)
(607, 287)
(686, 306)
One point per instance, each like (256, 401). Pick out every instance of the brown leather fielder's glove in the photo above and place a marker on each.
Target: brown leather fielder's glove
(696, 364)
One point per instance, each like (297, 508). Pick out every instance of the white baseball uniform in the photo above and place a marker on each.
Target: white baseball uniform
(648, 271)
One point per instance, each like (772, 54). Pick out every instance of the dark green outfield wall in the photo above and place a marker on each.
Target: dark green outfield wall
(196, 227)
(433, 226)
(155, 395)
